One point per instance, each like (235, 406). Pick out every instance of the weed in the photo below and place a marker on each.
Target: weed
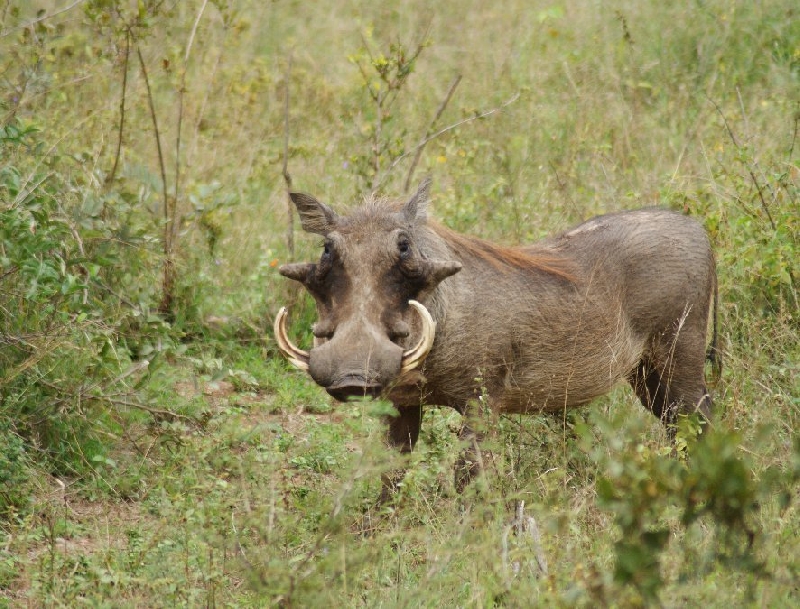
(155, 455)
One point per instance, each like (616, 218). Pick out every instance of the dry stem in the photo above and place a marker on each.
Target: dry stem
(436, 117)
(286, 176)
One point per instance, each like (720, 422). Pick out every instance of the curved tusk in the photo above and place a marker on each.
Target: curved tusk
(297, 357)
(417, 354)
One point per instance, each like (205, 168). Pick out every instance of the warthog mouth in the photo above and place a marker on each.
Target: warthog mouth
(352, 386)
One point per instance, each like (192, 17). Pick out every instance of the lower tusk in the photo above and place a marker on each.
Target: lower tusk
(417, 354)
(297, 357)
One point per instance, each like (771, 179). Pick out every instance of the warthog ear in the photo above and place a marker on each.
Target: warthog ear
(416, 209)
(299, 271)
(316, 217)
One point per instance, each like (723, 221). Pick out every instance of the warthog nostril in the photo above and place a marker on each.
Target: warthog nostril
(322, 330)
(399, 331)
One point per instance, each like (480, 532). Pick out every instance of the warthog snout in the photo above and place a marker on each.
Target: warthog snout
(336, 366)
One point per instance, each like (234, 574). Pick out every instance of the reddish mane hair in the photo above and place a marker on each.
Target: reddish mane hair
(505, 258)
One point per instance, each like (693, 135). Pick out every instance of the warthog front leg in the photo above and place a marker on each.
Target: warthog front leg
(402, 435)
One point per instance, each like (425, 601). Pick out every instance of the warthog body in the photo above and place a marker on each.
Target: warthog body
(625, 296)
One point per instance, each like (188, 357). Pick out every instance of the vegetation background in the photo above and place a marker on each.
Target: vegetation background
(156, 451)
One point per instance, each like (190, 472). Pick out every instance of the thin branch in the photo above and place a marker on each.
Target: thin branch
(397, 83)
(40, 19)
(364, 74)
(10, 271)
(167, 245)
(563, 187)
(25, 192)
(724, 121)
(168, 280)
(756, 183)
(286, 175)
(110, 177)
(385, 96)
(455, 125)
(166, 414)
(181, 92)
(76, 235)
(376, 146)
(436, 117)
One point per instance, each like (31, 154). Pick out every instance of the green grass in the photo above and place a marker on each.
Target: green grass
(217, 475)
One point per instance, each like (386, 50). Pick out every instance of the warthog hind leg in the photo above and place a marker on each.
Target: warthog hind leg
(479, 420)
(469, 464)
(669, 395)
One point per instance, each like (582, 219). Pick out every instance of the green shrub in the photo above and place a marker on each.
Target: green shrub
(61, 316)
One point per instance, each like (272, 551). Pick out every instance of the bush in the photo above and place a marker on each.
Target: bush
(60, 316)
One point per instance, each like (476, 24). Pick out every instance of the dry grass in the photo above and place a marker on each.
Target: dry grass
(693, 107)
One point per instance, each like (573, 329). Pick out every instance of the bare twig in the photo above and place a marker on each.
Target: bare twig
(166, 414)
(25, 192)
(376, 146)
(76, 235)
(286, 175)
(161, 164)
(525, 529)
(110, 177)
(563, 186)
(10, 271)
(33, 22)
(181, 92)
(456, 125)
(168, 281)
(436, 117)
(756, 182)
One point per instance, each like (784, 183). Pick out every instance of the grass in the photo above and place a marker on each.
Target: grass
(217, 476)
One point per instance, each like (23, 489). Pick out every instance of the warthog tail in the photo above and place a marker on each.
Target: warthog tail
(713, 354)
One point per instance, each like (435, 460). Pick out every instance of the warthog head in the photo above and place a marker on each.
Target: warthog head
(371, 330)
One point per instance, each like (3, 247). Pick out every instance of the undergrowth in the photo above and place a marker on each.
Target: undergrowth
(154, 449)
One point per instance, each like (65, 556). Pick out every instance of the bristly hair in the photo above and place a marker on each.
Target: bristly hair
(525, 258)
(372, 207)
(505, 258)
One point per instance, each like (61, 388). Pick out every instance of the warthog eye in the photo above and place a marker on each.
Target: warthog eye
(404, 247)
(326, 260)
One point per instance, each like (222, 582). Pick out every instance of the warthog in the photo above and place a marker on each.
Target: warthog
(420, 314)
